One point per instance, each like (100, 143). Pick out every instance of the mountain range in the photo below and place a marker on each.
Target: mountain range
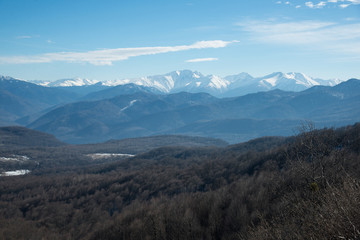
(193, 81)
(235, 119)
(179, 103)
(19, 99)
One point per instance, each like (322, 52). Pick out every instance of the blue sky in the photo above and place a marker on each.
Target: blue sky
(108, 39)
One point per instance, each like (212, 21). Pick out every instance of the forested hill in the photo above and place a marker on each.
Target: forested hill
(17, 137)
(303, 187)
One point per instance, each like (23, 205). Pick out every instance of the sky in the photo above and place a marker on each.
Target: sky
(117, 39)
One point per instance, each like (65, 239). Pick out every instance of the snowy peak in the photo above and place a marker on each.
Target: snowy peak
(193, 81)
(218, 82)
(165, 83)
(70, 82)
(73, 82)
(7, 78)
(244, 84)
(241, 77)
(287, 81)
(302, 79)
(196, 82)
(271, 80)
(176, 81)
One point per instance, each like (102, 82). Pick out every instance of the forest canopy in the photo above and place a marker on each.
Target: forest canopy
(301, 187)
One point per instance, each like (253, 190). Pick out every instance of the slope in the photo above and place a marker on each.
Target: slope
(20, 98)
(20, 137)
(143, 114)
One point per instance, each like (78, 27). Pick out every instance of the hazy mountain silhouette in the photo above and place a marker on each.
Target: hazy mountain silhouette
(233, 119)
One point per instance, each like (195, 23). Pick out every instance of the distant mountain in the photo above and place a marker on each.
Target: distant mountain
(237, 119)
(96, 121)
(17, 137)
(242, 84)
(78, 86)
(194, 82)
(20, 99)
(82, 91)
(178, 81)
(111, 92)
(144, 144)
(69, 82)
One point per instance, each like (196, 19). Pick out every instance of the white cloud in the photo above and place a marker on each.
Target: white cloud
(108, 56)
(345, 3)
(350, 19)
(23, 37)
(323, 4)
(285, 2)
(312, 5)
(202, 60)
(309, 4)
(275, 30)
(316, 35)
(353, 1)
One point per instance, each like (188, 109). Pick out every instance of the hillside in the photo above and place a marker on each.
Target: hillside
(97, 121)
(273, 188)
(19, 99)
(144, 144)
(118, 90)
(22, 148)
(21, 137)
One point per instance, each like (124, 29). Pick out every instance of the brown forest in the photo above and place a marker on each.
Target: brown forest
(301, 187)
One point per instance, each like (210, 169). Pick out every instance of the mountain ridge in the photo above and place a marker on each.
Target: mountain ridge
(20, 98)
(236, 119)
(194, 81)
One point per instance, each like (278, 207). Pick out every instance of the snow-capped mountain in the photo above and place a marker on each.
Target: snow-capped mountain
(178, 81)
(70, 82)
(6, 78)
(193, 81)
(243, 83)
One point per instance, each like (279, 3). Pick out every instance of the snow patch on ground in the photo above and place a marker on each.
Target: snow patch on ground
(14, 158)
(95, 156)
(15, 173)
(130, 104)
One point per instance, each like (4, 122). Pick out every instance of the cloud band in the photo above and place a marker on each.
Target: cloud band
(108, 56)
(201, 60)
